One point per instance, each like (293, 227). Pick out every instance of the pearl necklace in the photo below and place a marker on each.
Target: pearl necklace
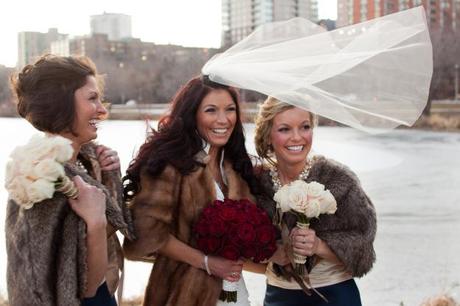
(302, 176)
(80, 165)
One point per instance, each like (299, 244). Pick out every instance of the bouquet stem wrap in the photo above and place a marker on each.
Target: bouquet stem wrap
(67, 187)
(300, 259)
(229, 291)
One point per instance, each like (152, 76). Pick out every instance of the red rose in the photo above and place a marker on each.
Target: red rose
(201, 228)
(217, 228)
(249, 252)
(230, 252)
(246, 233)
(265, 234)
(260, 255)
(228, 213)
(209, 245)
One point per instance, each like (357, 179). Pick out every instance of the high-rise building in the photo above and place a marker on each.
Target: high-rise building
(116, 26)
(31, 45)
(241, 17)
(440, 13)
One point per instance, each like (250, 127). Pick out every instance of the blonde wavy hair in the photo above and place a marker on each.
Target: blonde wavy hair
(264, 122)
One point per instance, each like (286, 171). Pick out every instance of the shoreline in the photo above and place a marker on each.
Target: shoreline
(444, 117)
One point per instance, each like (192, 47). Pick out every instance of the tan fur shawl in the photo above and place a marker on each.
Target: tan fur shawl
(46, 244)
(171, 204)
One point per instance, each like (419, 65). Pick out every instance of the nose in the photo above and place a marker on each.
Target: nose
(296, 134)
(221, 117)
(101, 110)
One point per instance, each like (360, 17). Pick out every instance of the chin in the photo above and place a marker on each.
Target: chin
(218, 143)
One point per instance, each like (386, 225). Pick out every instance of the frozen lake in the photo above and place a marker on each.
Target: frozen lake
(413, 178)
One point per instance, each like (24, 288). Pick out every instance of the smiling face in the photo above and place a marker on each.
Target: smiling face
(88, 112)
(291, 136)
(216, 117)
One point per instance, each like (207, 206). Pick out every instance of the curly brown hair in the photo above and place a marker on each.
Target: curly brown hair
(45, 90)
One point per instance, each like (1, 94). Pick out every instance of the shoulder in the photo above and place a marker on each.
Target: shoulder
(337, 177)
(330, 169)
(169, 175)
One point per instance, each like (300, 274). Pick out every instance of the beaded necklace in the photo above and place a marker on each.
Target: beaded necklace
(302, 176)
(80, 166)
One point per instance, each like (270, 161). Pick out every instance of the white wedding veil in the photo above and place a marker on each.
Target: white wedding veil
(371, 76)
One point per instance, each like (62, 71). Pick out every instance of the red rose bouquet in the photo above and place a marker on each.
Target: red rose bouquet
(235, 229)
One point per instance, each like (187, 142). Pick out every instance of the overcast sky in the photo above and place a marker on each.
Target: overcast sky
(194, 23)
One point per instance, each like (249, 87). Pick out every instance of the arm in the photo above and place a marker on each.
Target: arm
(90, 206)
(220, 267)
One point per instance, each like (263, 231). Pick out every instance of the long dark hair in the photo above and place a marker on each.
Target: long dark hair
(177, 141)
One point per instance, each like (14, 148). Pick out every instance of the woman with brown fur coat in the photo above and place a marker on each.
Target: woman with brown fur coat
(339, 246)
(196, 156)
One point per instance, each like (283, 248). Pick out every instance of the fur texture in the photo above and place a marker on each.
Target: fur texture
(350, 232)
(171, 204)
(46, 245)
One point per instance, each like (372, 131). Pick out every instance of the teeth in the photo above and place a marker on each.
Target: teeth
(295, 148)
(94, 122)
(220, 131)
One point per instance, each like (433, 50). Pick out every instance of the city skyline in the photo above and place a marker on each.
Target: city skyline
(181, 22)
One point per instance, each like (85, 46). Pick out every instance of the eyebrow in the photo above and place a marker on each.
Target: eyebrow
(287, 124)
(214, 105)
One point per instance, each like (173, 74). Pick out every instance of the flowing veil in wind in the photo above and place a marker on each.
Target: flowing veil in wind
(371, 76)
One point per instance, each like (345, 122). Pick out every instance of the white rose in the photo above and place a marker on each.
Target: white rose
(40, 190)
(313, 209)
(281, 197)
(49, 169)
(328, 203)
(38, 147)
(62, 149)
(11, 172)
(17, 190)
(292, 196)
(298, 198)
(315, 189)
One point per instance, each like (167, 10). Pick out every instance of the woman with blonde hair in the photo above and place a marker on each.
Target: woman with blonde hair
(339, 246)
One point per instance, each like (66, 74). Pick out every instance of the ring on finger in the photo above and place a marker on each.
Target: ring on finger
(234, 274)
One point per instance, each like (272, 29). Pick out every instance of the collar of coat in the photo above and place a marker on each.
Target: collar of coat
(109, 182)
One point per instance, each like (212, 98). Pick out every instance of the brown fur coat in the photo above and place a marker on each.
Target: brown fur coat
(46, 245)
(171, 204)
(350, 232)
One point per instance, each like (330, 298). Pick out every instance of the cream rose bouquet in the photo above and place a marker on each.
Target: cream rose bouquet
(306, 201)
(36, 170)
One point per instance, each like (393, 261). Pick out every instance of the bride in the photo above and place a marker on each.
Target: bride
(196, 156)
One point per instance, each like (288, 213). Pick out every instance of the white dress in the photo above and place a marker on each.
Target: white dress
(242, 292)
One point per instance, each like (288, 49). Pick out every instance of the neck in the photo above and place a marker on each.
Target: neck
(76, 150)
(75, 145)
(214, 155)
(288, 173)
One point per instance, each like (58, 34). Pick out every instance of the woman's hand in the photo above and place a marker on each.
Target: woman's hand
(304, 241)
(225, 269)
(108, 158)
(90, 204)
(280, 256)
